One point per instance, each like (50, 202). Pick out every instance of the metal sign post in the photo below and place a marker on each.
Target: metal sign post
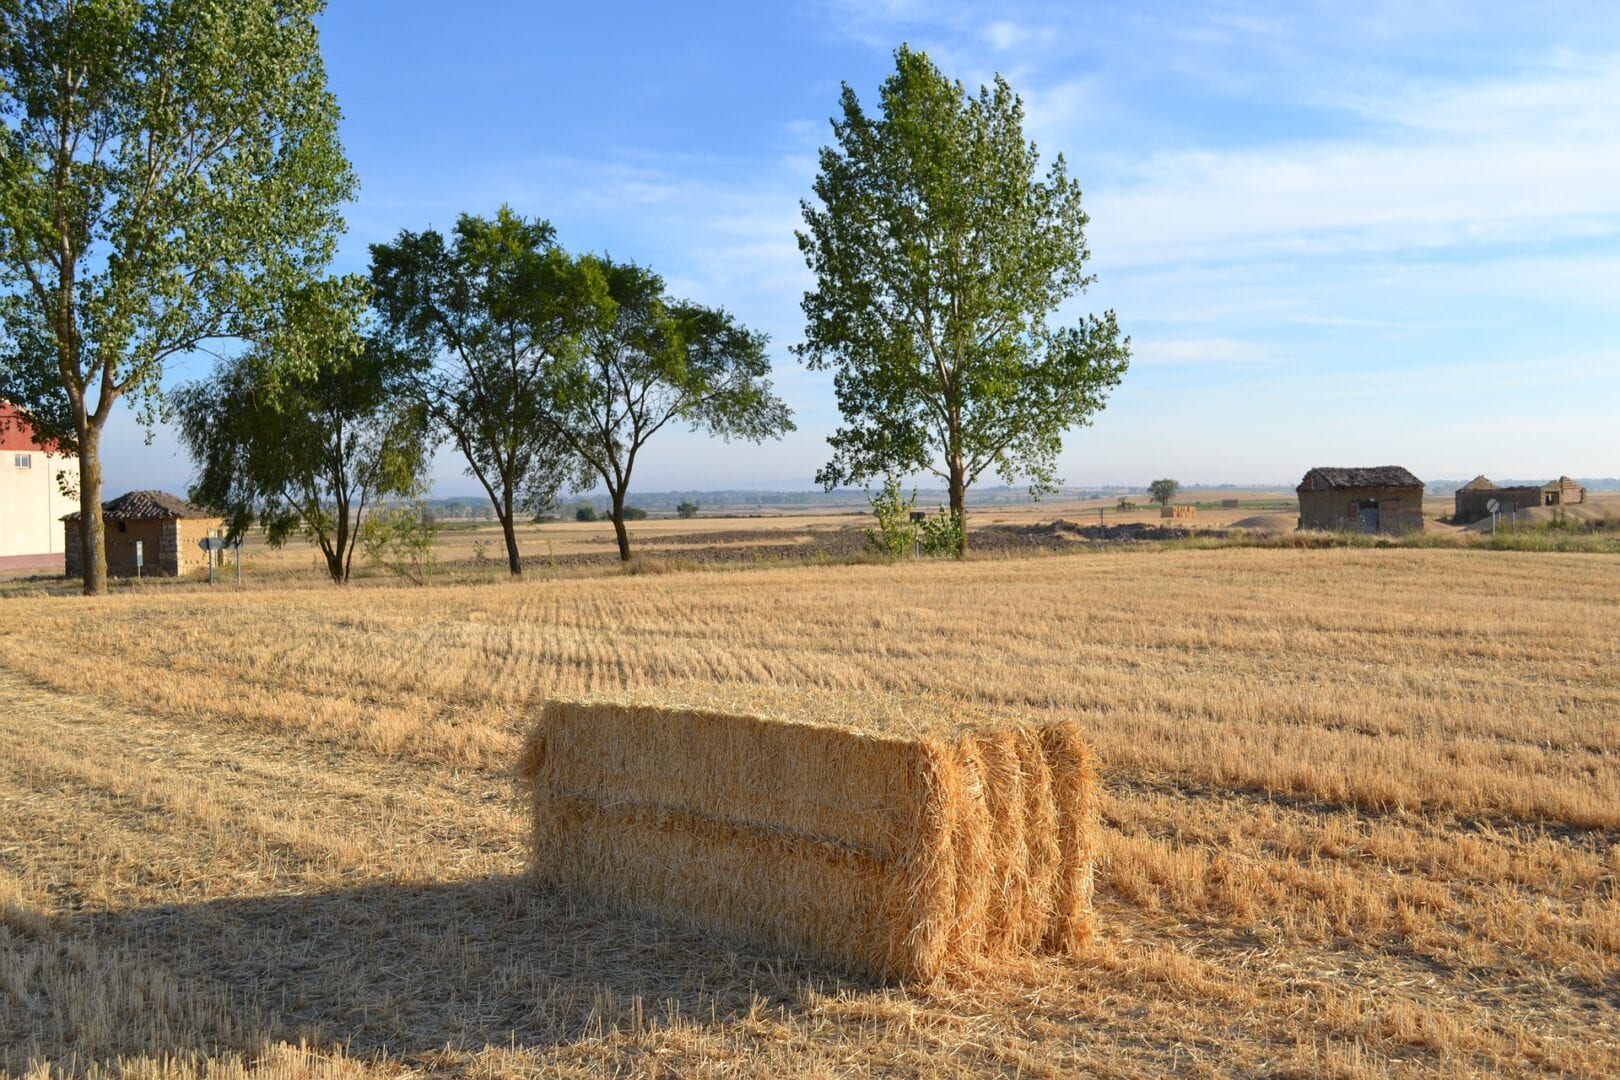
(239, 560)
(211, 544)
(1493, 506)
(140, 557)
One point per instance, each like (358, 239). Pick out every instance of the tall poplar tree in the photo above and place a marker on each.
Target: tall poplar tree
(170, 173)
(941, 255)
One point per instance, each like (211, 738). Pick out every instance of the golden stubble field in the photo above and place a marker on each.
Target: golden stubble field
(1362, 815)
(672, 537)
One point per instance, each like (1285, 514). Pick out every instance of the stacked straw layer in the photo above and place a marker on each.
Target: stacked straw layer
(899, 857)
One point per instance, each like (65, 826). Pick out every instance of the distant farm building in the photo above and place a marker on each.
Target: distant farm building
(31, 502)
(1473, 499)
(166, 526)
(1385, 498)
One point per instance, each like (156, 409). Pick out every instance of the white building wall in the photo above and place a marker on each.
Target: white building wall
(31, 502)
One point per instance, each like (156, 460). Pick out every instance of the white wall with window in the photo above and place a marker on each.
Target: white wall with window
(31, 501)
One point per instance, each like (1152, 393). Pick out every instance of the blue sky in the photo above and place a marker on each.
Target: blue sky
(1359, 233)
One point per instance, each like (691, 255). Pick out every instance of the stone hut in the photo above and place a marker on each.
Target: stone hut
(1385, 498)
(1473, 499)
(167, 527)
(1562, 492)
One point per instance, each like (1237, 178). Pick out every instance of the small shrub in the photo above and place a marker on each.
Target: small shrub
(686, 508)
(895, 534)
(585, 512)
(402, 540)
(942, 533)
(634, 513)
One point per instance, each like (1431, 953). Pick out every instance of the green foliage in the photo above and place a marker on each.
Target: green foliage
(585, 512)
(1162, 491)
(941, 533)
(303, 452)
(402, 540)
(895, 535)
(645, 361)
(170, 174)
(686, 508)
(1125, 505)
(487, 320)
(634, 513)
(939, 257)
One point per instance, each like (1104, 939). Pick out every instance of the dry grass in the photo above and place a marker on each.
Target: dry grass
(1361, 819)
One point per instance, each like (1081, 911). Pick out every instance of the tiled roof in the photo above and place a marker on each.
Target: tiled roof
(1376, 476)
(147, 505)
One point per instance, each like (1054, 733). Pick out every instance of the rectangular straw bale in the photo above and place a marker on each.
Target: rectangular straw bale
(821, 781)
(898, 855)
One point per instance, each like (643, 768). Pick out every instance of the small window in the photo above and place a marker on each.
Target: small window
(123, 526)
(23, 461)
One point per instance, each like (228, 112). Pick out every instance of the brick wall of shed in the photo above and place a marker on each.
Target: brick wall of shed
(1472, 506)
(169, 546)
(192, 530)
(1399, 509)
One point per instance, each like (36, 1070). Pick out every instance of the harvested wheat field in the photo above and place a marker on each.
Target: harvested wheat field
(1359, 818)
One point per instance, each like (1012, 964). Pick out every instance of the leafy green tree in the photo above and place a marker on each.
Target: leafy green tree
(940, 256)
(1162, 491)
(584, 512)
(647, 361)
(686, 508)
(311, 454)
(488, 319)
(170, 171)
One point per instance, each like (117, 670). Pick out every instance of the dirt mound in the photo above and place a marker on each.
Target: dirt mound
(1279, 522)
(1062, 533)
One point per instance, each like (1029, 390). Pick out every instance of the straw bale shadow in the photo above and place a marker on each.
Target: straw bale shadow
(410, 969)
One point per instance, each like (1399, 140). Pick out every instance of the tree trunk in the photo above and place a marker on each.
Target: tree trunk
(959, 508)
(92, 530)
(618, 526)
(334, 554)
(514, 562)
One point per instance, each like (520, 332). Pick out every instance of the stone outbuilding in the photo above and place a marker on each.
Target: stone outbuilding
(1563, 491)
(166, 526)
(1384, 498)
(1473, 500)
